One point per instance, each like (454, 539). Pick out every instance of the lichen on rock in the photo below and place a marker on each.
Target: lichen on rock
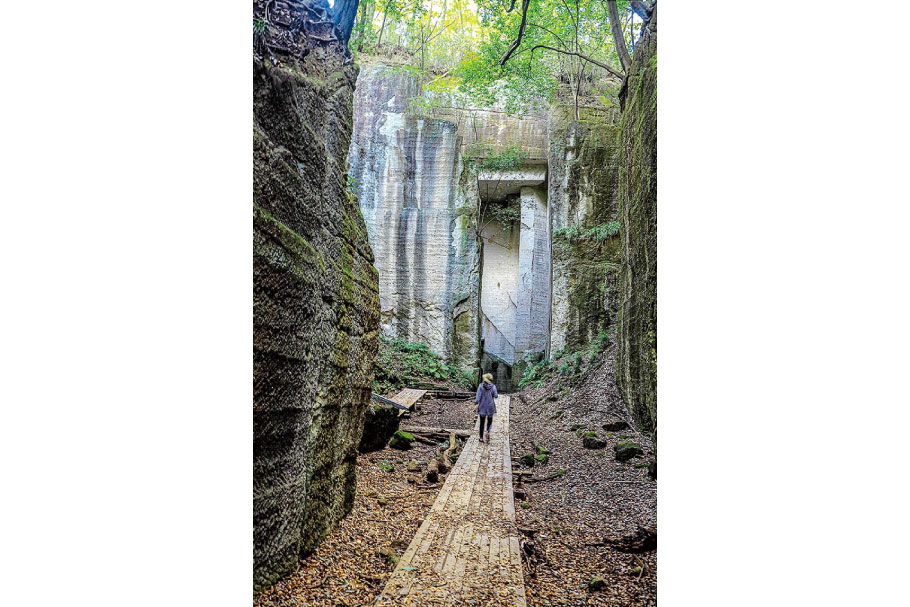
(637, 339)
(316, 309)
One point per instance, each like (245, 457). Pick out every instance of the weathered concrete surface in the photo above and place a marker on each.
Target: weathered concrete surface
(420, 199)
(532, 323)
(497, 185)
(496, 130)
(417, 204)
(499, 299)
(637, 347)
(583, 202)
(316, 309)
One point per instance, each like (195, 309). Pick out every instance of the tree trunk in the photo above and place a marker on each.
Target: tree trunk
(624, 59)
(344, 13)
(384, 15)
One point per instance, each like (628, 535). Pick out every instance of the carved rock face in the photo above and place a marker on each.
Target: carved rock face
(316, 309)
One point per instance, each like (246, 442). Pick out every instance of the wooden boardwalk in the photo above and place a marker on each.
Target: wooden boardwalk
(407, 398)
(466, 552)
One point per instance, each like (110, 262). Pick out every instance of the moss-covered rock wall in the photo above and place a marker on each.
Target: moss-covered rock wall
(584, 214)
(316, 308)
(637, 347)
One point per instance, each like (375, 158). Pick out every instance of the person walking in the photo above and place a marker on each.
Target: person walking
(486, 406)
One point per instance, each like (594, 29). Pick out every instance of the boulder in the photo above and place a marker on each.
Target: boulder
(590, 441)
(380, 423)
(626, 451)
(433, 471)
(615, 425)
(401, 440)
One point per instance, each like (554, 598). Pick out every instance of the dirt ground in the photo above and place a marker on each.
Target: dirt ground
(347, 568)
(568, 518)
(564, 521)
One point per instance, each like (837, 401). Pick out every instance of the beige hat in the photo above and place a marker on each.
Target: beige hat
(488, 377)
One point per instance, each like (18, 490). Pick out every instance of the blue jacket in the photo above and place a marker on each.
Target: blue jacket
(484, 399)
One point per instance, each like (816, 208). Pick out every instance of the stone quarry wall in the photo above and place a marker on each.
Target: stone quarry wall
(316, 308)
(500, 292)
(637, 347)
(417, 202)
(583, 198)
(497, 130)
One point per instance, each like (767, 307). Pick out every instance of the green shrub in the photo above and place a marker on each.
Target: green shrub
(400, 363)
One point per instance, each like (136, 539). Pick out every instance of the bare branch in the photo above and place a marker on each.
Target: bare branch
(561, 41)
(613, 72)
(624, 59)
(521, 31)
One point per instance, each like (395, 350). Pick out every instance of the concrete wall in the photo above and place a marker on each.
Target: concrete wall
(407, 172)
(501, 246)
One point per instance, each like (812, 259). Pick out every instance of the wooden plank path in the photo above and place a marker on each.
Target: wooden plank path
(466, 550)
(408, 397)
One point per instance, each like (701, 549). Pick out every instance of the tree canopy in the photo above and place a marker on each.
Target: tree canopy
(510, 53)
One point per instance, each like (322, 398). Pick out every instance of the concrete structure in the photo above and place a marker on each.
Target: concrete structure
(483, 285)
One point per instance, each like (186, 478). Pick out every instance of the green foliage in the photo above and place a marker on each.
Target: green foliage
(505, 214)
(483, 156)
(351, 184)
(386, 466)
(598, 233)
(400, 363)
(455, 48)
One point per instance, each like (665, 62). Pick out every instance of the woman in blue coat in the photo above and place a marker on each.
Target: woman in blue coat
(486, 407)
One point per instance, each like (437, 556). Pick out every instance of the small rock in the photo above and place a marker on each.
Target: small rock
(412, 466)
(635, 571)
(626, 451)
(615, 425)
(401, 440)
(590, 441)
(596, 583)
(381, 501)
(389, 556)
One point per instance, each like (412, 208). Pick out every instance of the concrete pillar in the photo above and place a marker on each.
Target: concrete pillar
(533, 302)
